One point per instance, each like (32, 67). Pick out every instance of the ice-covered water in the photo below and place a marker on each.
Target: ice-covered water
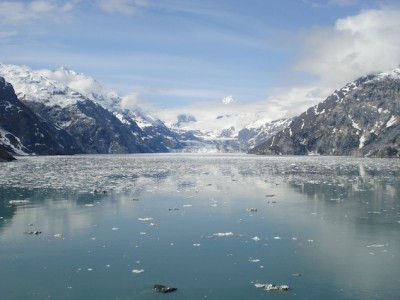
(212, 226)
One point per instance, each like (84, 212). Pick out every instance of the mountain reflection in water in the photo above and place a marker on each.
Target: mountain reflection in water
(210, 225)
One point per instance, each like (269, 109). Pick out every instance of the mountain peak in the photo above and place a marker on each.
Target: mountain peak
(393, 74)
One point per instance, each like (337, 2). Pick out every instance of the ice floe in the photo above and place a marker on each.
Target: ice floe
(145, 219)
(272, 287)
(222, 234)
(18, 202)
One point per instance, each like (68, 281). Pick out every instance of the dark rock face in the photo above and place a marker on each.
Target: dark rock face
(5, 156)
(184, 119)
(23, 132)
(361, 119)
(94, 129)
(64, 121)
(159, 288)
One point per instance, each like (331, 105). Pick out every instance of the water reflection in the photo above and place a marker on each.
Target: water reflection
(335, 221)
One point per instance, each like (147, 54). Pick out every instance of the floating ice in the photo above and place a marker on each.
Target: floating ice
(256, 238)
(252, 209)
(18, 202)
(137, 271)
(377, 246)
(115, 228)
(58, 235)
(272, 287)
(145, 219)
(254, 260)
(223, 234)
(196, 245)
(277, 238)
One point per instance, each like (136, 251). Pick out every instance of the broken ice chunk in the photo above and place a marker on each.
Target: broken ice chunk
(223, 234)
(145, 219)
(272, 287)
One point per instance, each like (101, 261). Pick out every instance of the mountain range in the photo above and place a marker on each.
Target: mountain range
(63, 112)
(360, 119)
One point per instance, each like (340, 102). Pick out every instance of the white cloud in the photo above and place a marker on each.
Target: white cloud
(7, 34)
(131, 102)
(228, 100)
(121, 6)
(343, 2)
(22, 12)
(355, 46)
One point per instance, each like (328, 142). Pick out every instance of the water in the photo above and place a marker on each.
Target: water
(189, 221)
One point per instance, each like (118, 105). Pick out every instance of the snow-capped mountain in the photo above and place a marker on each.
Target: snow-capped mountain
(224, 132)
(92, 123)
(156, 134)
(23, 132)
(361, 119)
(253, 135)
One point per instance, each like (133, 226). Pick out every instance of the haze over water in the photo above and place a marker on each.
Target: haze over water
(210, 225)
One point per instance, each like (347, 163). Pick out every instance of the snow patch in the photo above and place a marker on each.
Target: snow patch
(391, 122)
(362, 141)
(5, 141)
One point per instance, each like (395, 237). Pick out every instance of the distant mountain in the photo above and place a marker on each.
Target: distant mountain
(224, 133)
(361, 119)
(251, 136)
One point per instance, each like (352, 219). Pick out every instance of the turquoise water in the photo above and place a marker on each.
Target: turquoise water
(212, 226)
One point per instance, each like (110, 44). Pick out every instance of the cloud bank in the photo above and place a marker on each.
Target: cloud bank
(355, 46)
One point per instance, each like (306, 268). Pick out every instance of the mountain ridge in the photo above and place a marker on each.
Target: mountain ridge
(360, 119)
(47, 112)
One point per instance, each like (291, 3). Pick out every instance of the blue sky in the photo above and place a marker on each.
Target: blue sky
(175, 54)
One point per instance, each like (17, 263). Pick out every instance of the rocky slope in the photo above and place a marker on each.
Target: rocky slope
(361, 119)
(5, 156)
(23, 132)
(153, 132)
(69, 121)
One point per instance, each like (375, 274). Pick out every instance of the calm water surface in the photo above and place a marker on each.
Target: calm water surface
(212, 226)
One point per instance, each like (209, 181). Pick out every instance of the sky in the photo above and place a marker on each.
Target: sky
(278, 57)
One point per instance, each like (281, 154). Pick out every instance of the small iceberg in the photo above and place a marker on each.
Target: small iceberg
(145, 219)
(137, 271)
(272, 287)
(159, 288)
(251, 209)
(221, 234)
(18, 202)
